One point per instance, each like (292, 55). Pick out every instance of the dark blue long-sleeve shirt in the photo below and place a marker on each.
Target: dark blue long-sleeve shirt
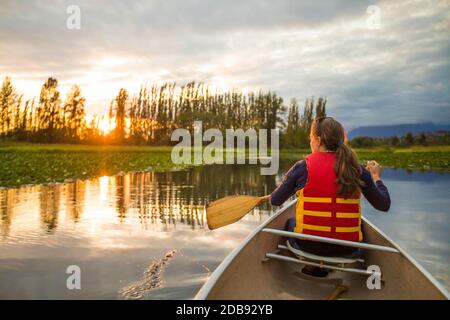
(376, 193)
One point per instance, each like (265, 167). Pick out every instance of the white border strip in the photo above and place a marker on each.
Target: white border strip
(211, 282)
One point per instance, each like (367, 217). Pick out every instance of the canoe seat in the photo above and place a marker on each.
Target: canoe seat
(335, 260)
(332, 263)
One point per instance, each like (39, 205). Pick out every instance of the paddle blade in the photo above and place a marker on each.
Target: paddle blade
(229, 209)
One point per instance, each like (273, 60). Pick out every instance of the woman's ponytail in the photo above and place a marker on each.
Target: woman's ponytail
(348, 172)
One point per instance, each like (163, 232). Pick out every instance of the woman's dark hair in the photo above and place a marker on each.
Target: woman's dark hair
(347, 168)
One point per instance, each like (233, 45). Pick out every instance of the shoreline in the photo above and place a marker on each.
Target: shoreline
(33, 164)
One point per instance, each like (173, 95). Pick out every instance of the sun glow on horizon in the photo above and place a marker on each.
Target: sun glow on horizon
(106, 125)
(102, 123)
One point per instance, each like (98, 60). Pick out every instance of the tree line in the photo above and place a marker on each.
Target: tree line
(149, 116)
(407, 140)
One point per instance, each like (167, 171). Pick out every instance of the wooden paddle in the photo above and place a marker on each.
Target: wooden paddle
(229, 209)
(338, 290)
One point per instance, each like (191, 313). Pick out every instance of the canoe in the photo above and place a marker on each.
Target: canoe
(250, 272)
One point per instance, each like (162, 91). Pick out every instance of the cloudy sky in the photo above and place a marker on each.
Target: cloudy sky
(377, 62)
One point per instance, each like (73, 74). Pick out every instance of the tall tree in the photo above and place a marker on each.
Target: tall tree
(49, 110)
(293, 128)
(120, 110)
(320, 107)
(74, 114)
(7, 100)
(306, 120)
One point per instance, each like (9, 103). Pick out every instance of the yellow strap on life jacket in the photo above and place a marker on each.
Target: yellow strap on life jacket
(347, 229)
(348, 215)
(316, 228)
(301, 212)
(317, 213)
(347, 201)
(316, 199)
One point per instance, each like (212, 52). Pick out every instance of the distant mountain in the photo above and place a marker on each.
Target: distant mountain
(396, 130)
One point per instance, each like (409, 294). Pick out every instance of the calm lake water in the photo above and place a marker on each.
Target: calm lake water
(144, 235)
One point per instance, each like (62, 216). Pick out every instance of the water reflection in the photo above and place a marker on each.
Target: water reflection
(116, 228)
(75, 197)
(49, 198)
(163, 198)
(6, 210)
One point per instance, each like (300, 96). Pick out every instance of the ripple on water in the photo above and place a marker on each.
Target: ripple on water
(152, 279)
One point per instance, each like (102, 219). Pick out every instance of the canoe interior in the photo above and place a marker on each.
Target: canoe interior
(247, 277)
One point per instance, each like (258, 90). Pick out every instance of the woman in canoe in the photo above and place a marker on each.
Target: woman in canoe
(329, 184)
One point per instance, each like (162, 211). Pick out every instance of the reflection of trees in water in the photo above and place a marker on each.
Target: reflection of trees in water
(179, 197)
(122, 185)
(158, 198)
(75, 197)
(49, 197)
(7, 201)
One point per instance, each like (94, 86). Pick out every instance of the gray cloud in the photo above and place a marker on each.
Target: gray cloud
(399, 73)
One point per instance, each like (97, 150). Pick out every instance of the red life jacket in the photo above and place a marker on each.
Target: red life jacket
(319, 211)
